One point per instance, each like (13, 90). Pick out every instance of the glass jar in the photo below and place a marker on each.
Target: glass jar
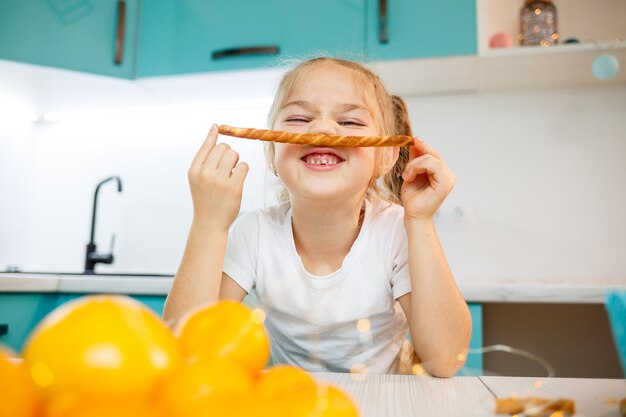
(538, 23)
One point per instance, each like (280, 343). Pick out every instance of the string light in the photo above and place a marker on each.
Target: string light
(508, 349)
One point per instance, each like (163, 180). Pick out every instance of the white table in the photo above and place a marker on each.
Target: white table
(412, 396)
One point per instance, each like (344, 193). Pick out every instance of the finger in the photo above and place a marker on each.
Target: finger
(205, 149)
(227, 163)
(425, 164)
(239, 173)
(214, 158)
(420, 148)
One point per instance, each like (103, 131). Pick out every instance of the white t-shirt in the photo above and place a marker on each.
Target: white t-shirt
(312, 320)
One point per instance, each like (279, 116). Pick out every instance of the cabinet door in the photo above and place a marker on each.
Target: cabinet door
(20, 313)
(79, 35)
(474, 364)
(401, 29)
(154, 302)
(187, 36)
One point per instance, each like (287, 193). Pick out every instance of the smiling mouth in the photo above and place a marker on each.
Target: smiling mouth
(322, 159)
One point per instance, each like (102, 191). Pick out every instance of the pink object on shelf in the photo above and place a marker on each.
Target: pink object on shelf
(501, 40)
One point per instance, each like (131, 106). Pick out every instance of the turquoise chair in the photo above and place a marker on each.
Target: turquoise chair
(615, 304)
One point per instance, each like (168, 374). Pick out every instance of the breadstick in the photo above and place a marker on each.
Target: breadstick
(315, 139)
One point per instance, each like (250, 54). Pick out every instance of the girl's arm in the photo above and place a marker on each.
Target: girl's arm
(216, 183)
(439, 319)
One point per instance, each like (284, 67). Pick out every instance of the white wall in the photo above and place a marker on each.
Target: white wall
(541, 177)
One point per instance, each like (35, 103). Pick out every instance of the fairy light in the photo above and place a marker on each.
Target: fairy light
(257, 316)
(42, 375)
(508, 349)
(418, 370)
(363, 325)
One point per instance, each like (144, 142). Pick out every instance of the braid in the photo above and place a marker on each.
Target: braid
(393, 179)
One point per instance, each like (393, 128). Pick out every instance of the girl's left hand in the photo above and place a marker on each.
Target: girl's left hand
(427, 182)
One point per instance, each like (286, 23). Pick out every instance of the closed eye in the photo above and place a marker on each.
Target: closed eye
(351, 123)
(297, 120)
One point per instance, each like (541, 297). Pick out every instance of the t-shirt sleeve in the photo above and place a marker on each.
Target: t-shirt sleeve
(240, 261)
(400, 278)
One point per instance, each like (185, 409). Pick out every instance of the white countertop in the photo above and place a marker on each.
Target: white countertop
(522, 291)
(413, 396)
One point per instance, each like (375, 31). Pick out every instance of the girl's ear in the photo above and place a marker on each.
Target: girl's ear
(388, 160)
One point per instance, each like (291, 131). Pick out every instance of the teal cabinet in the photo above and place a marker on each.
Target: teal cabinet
(154, 302)
(20, 313)
(145, 38)
(187, 36)
(474, 364)
(78, 35)
(403, 29)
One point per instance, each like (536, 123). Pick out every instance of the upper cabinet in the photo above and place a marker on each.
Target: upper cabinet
(146, 38)
(91, 36)
(400, 29)
(190, 36)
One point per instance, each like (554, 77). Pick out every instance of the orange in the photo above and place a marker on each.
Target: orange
(101, 347)
(321, 401)
(205, 387)
(281, 380)
(227, 330)
(71, 405)
(18, 394)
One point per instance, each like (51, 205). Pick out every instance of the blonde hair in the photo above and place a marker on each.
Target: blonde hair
(389, 113)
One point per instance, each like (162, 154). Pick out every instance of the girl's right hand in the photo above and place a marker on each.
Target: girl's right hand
(216, 183)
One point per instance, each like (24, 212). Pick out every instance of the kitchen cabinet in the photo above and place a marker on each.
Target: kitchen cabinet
(401, 29)
(474, 364)
(97, 37)
(20, 313)
(154, 302)
(187, 36)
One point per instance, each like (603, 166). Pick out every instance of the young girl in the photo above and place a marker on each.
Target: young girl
(353, 235)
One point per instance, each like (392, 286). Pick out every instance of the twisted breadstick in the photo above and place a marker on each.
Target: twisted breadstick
(315, 139)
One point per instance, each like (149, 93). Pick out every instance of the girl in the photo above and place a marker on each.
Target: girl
(354, 234)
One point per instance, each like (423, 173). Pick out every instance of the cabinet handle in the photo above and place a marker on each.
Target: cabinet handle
(4, 329)
(245, 51)
(119, 35)
(383, 36)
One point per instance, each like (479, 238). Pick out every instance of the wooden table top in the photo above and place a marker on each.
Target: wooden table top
(413, 396)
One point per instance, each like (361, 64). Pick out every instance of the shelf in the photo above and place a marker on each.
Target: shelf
(587, 21)
(517, 68)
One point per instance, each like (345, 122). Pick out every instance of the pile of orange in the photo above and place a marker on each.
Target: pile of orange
(112, 356)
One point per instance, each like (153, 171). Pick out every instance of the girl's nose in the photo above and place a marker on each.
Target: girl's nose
(322, 125)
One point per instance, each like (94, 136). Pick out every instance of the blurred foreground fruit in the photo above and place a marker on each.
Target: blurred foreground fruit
(101, 347)
(227, 330)
(280, 381)
(18, 395)
(68, 405)
(320, 401)
(206, 387)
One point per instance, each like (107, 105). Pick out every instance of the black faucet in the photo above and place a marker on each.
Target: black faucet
(92, 257)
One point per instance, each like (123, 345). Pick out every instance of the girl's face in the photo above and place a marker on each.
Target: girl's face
(326, 100)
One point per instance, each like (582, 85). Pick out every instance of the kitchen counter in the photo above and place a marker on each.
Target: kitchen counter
(412, 396)
(528, 291)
